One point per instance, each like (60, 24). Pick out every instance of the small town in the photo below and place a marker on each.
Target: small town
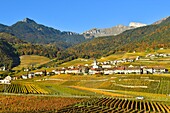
(101, 68)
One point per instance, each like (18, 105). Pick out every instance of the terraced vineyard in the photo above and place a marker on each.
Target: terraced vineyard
(22, 88)
(116, 105)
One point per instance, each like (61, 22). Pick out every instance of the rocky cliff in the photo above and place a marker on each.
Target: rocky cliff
(95, 32)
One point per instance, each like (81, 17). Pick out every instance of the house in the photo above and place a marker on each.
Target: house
(132, 70)
(137, 58)
(127, 70)
(26, 69)
(73, 71)
(14, 78)
(106, 66)
(24, 77)
(93, 71)
(59, 71)
(119, 70)
(108, 71)
(39, 73)
(56, 72)
(147, 70)
(2, 68)
(6, 80)
(159, 70)
(31, 75)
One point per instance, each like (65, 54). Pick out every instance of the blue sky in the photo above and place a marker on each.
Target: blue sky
(82, 15)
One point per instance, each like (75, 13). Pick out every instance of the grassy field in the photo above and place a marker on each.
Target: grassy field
(163, 51)
(31, 60)
(122, 55)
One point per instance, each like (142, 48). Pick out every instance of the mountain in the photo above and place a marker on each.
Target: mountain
(147, 38)
(136, 24)
(2, 27)
(29, 31)
(160, 21)
(111, 31)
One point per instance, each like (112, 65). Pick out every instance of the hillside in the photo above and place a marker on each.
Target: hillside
(31, 61)
(11, 38)
(13, 47)
(29, 31)
(148, 38)
(8, 55)
(25, 48)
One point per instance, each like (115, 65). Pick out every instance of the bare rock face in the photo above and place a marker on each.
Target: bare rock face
(136, 24)
(116, 30)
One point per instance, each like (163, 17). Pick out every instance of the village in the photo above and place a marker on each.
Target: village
(100, 68)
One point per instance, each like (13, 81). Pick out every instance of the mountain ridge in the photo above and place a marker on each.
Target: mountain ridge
(28, 30)
(115, 30)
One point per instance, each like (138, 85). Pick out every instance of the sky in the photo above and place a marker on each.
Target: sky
(81, 15)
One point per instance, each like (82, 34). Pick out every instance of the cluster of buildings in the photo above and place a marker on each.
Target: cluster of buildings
(107, 69)
(158, 55)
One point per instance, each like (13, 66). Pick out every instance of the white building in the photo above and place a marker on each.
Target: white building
(59, 71)
(147, 70)
(73, 71)
(93, 71)
(24, 77)
(2, 68)
(94, 65)
(30, 75)
(6, 80)
(106, 66)
(159, 70)
(39, 73)
(108, 71)
(132, 71)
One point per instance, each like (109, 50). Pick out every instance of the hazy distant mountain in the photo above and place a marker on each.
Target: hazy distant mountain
(28, 30)
(111, 31)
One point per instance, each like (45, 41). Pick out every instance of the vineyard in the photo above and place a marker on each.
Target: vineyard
(148, 84)
(22, 88)
(115, 105)
(34, 104)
